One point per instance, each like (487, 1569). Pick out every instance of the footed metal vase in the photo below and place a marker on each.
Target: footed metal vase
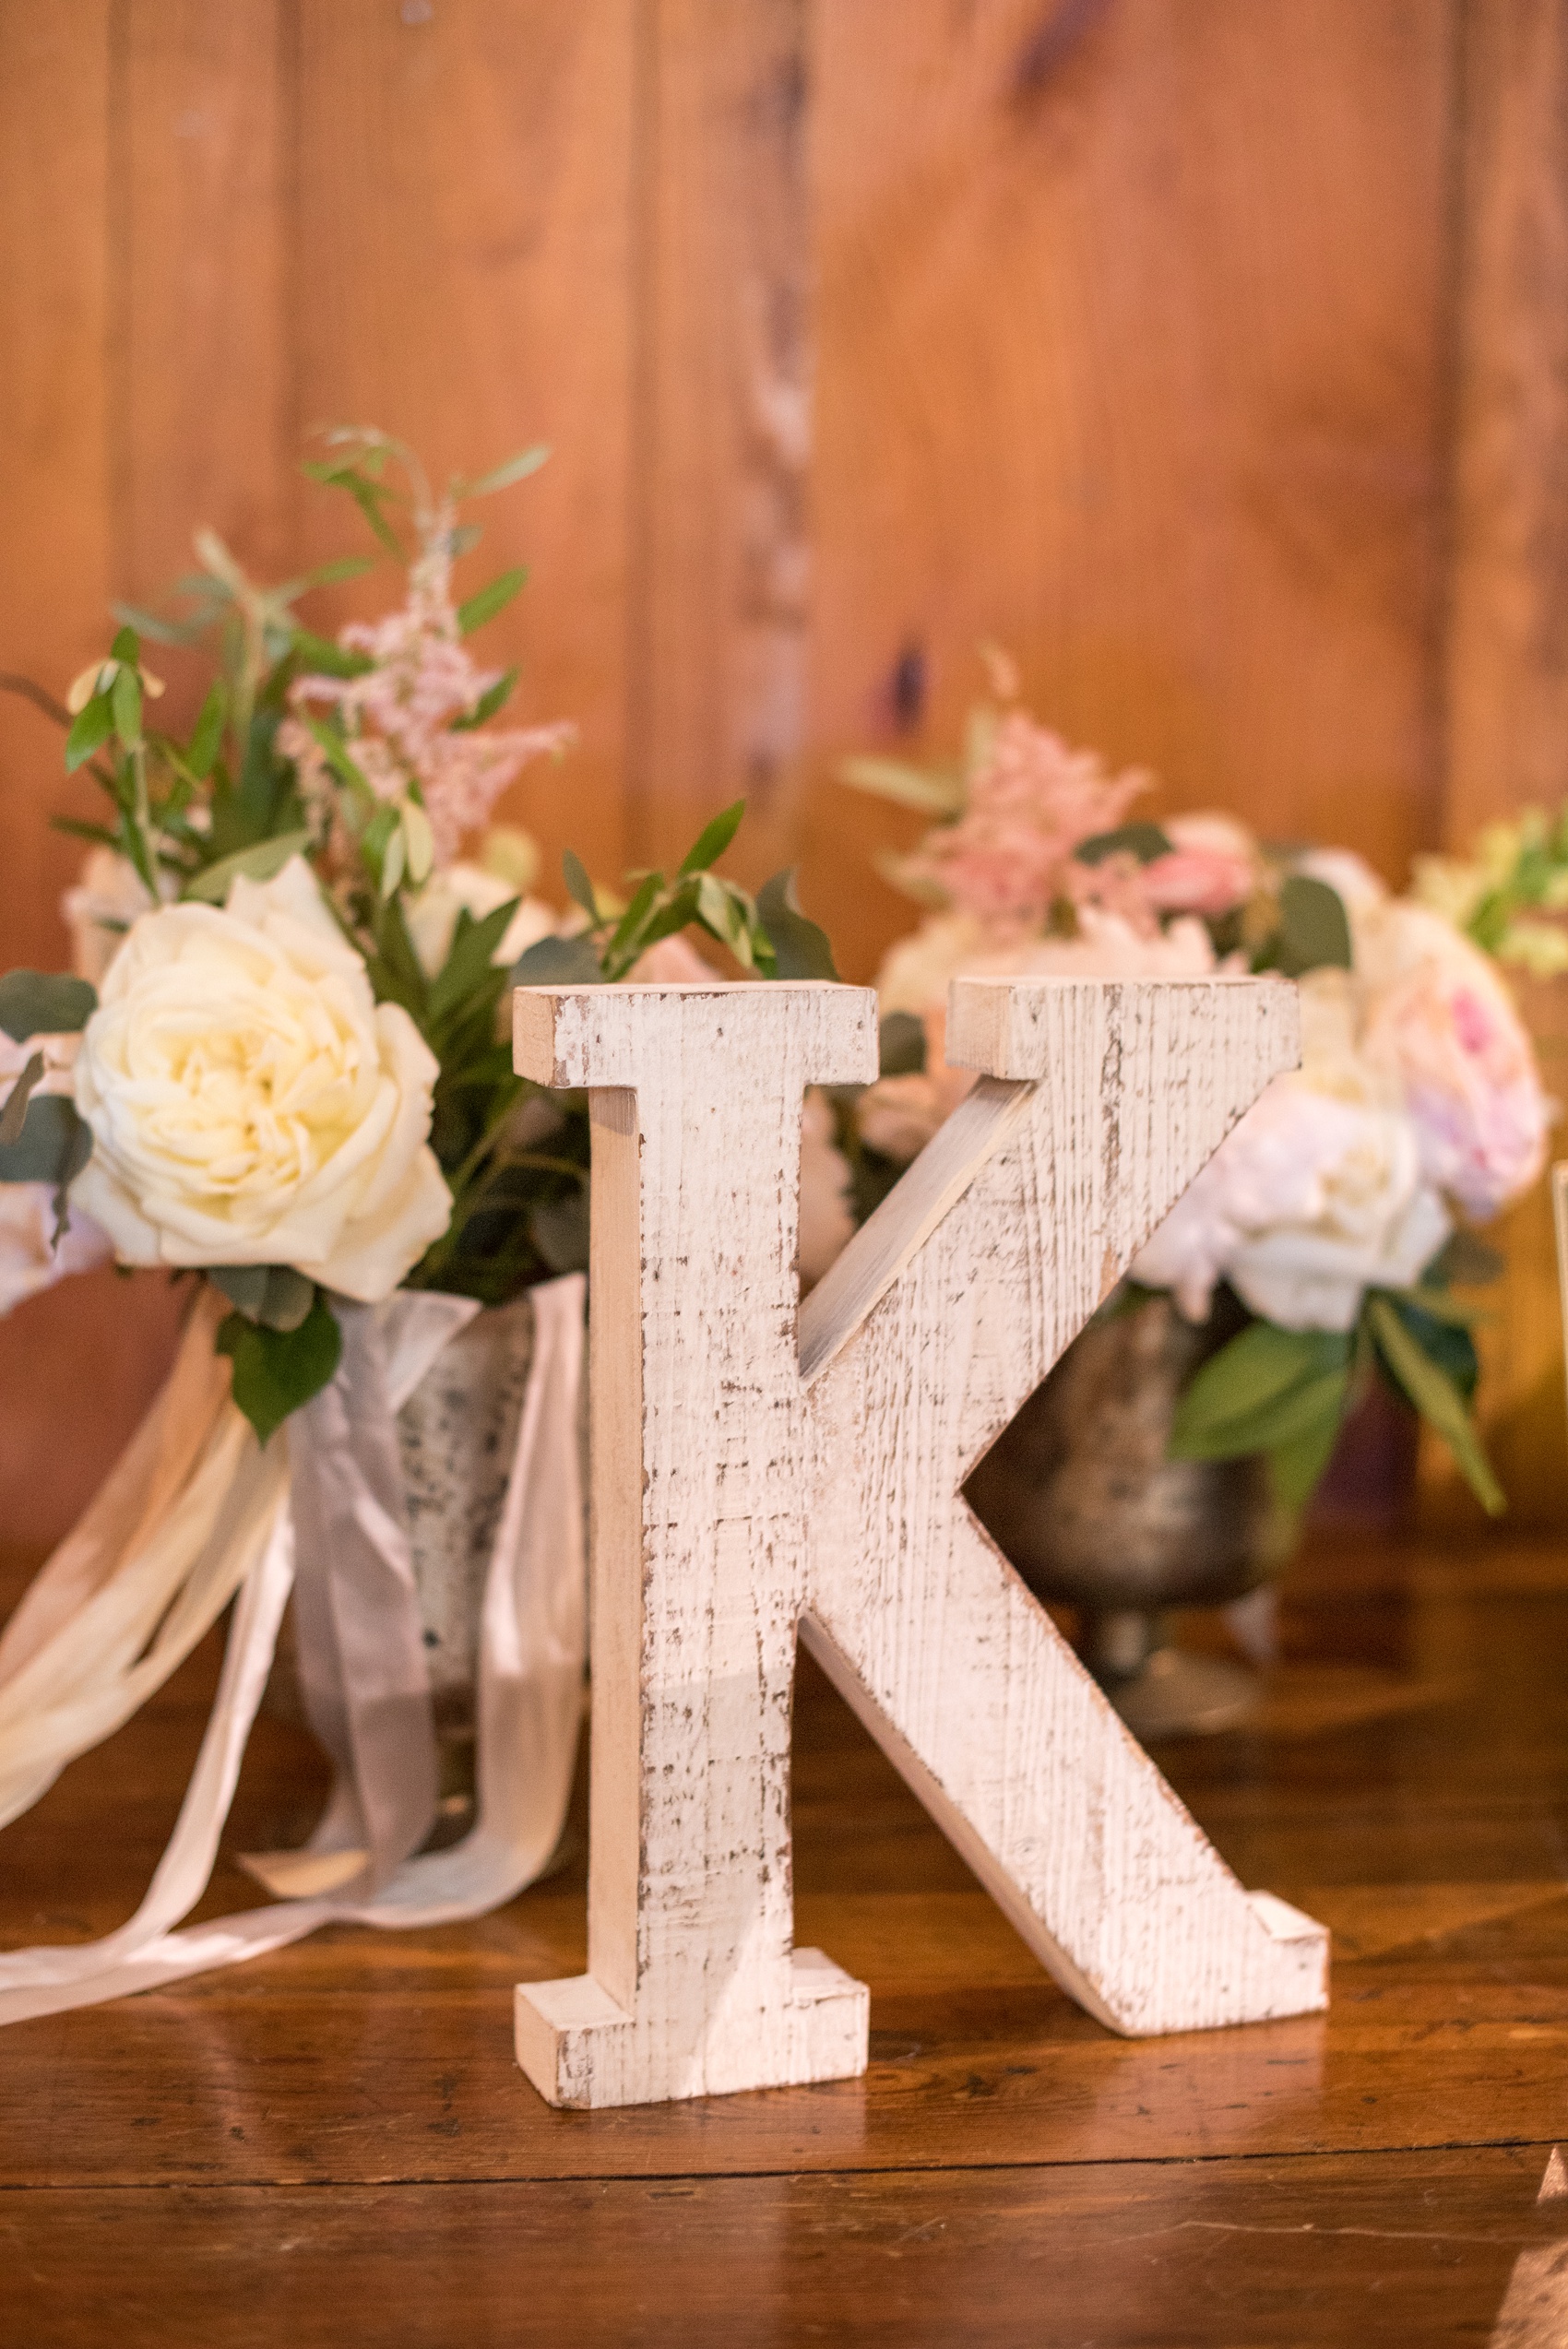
(1078, 1493)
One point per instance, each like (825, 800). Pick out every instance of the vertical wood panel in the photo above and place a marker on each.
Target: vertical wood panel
(201, 416)
(1132, 360)
(77, 1366)
(723, 423)
(463, 280)
(1507, 650)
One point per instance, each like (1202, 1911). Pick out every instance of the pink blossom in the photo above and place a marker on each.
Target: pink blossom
(400, 715)
(1031, 802)
(1211, 869)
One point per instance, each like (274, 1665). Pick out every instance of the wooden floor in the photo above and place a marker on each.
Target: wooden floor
(332, 2146)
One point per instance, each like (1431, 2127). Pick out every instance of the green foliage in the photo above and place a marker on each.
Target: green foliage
(1282, 1392)
(277, 1369)
(53, 1146)
(1286, 1392)
(43, 1003)
(273, 1297)
(1313, 931)
(1412, 1347)
(1145, 841)
(212, 884)
(802, 948)
(13, 1117)
(477, 609)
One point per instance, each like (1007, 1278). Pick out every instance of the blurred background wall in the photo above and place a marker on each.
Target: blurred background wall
(1211, 355)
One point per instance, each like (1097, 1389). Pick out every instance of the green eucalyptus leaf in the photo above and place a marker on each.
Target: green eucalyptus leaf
(322, 658)
(208, 731)
(90, 728)
(470, 959)
(801, 948)
(559, 962)
(1314, 931)
(477, 609)
(487, 704)
(628, 929)
(45, 1002)
(909, 786)
(1258, 1366)
(1145, 841)
(1436, 1397)
(1282, 1419)
(274, 1296)
(501, 477)
(1296, 1468)
(212, 885)
(125, 702)
(150, 624)
(13, 1117)
(275, 1370)
(578, 886)
(713, 839)
(720, 910)
(53, 1146)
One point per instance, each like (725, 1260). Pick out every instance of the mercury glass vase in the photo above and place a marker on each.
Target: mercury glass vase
(1080, 1495)
(457, 1437)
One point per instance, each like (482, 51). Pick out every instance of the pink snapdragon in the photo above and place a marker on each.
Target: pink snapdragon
(398, 716)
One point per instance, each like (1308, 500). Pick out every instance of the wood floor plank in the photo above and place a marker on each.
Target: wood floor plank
(1228, 2254)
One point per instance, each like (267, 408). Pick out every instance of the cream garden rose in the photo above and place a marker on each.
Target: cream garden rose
(251, 1104)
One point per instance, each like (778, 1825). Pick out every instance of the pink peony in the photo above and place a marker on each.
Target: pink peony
(1212, 867)
(1439, 1018)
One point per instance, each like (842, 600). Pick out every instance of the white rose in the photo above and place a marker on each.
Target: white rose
(1316, 1197)
(251, 1103)
(28, 1259)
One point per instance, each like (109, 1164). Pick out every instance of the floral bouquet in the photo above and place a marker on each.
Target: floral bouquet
(1334, 1224)
(279, 1071)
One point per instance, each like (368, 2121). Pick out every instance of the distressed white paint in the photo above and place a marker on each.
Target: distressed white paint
(761, 1469)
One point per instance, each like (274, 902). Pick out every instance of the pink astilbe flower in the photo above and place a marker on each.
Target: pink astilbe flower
(1031, 803)
(397, 717)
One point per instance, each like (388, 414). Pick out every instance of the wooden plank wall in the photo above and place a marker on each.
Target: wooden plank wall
(1121, 331)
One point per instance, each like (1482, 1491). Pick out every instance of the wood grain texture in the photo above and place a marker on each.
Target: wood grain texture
(90, 1360)
(1270, 2254)
(748, 1488)
(1507, 634)
(1133, 364)
(203, 428)
(723, 424)
(330, 2146)
(464, 233)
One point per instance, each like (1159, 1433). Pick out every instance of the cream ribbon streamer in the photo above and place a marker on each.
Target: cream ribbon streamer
(167, 1512)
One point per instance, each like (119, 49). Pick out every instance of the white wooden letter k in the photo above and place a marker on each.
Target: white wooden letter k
(762, 1469)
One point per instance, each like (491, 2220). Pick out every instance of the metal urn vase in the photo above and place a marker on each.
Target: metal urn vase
(1079, 1494)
